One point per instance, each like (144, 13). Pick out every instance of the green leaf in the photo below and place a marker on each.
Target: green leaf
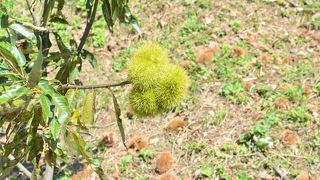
(13, 93)
(90, 57)
(54, 128)
(23, 31)
(88, 108)
(60, 5)
(61, 45)
(107, 14)
(12, 53)
(45, 105)
(47, 11)
(119, 120)
(80, 143)
(4, 20)
(131, 19)
(73, 96)
(207, 171)
(35, 74)
(59, 101)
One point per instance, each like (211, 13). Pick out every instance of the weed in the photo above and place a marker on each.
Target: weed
(220, 116)
(235, 25)
(232, 90)
(295, 94)
(298, 114)
(124, 162)
(256, 138)
(98, 30)
(206, 171)
(146, 154)
(242, 176)
(194, 146)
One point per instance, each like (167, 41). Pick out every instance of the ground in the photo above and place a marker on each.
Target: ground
(252, 110)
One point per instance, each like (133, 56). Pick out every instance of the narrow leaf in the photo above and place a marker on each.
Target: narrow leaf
(54, 128)
(88, 108)
(90, 57)
(45, 105)
(107, 14)
(80, 143)
(119, 120)
(35, 74)
(12, 93)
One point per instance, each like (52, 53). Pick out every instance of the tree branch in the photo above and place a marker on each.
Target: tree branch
(21, 167)
(88, 27)
(70, 86)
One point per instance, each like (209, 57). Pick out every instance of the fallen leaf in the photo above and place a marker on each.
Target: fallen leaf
(256, 115)
(205, 54)
(282, 103)
(107, 140)
(265, 175)
(304, 175)
(238, 52)
(186, 63)
(289, 137)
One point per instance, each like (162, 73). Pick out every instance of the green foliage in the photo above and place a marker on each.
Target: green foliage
(298, 114)
(158, 85)
(124, 162)
(235, 25)
(256, 138)
(37, 110)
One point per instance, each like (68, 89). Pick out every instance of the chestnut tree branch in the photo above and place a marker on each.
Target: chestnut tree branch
(70, 86)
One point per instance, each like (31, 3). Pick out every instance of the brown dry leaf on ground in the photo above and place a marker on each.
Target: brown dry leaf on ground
(205, 54)
(175, 124)
(287, 60)
(266, 58)
(248, 85)
(282, 103)
(256, 115)
(289, 137)
(164, 162)
(265, 175)
(304, 175)
(87, 173)
(238, 52)
(107, 140)
(307, 90)
(186, 63)
(168, 176)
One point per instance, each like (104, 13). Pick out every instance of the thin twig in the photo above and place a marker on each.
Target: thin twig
(35, 28)
(34, 18)
(69, 86)
(274, 167)
(21, 167)
(88, 27)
